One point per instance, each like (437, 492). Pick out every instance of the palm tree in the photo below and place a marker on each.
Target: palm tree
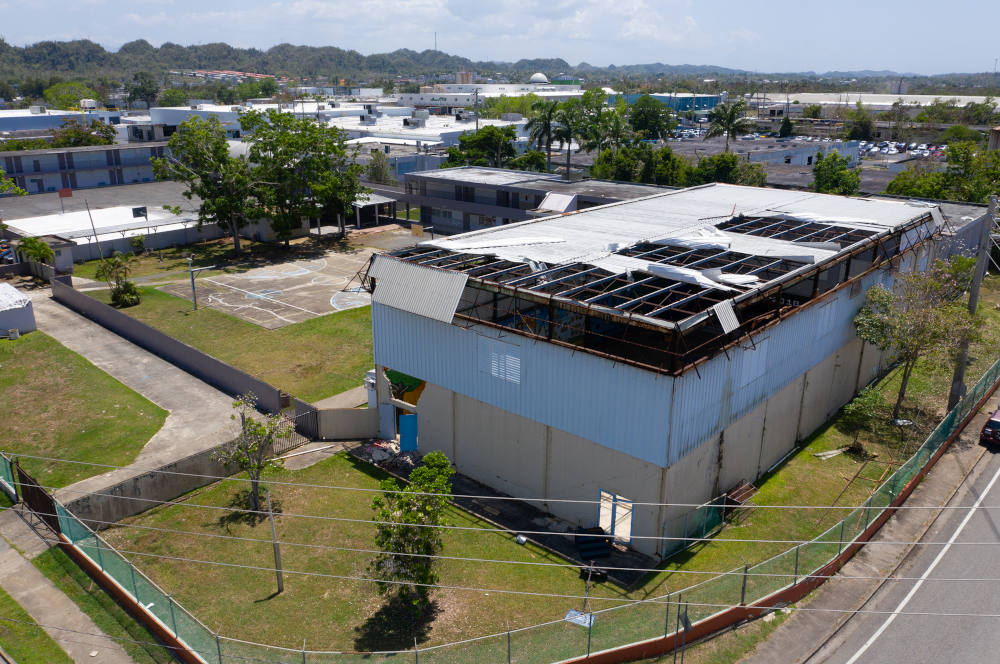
(571, 124)
(729, 120)
(36, 250)
(541, 128)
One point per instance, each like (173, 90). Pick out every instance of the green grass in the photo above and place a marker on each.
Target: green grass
(311, 360)
(62, 406)
(26, 643)
(106, 613)
(240, 600)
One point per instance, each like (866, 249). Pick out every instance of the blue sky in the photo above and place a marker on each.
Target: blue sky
(912, 36)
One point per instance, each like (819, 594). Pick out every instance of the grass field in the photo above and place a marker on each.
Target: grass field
(61, 405)
(240, 600)
(23, 642)
(107, 614)
(312, 360)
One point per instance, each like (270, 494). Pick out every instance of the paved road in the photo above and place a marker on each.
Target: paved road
(900, 636)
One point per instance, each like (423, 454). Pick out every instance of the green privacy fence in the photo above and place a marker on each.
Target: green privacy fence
(558, 640)
(7, 478)
(693, 525)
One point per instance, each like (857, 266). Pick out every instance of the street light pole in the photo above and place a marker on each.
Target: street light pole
(192, 270)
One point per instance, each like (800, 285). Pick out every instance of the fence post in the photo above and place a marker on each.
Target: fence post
(100, 558)
(666, 619)
(841, 546)
(303, 651)
(590, 627)
(173, 619)
(218, 643)
(795, 578)
(743, 590)
(508, 642)
(135, 588)
(416, 652)
(677, 624)
(274, 543)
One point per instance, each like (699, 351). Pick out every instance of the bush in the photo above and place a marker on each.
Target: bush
(864, 409)
(125, 295)
(138, 243)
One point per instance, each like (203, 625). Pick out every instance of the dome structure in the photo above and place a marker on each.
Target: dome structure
(538, 77)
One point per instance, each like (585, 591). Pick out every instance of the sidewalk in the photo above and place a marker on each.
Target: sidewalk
(199, 414)
(46, 604)
(805, 632)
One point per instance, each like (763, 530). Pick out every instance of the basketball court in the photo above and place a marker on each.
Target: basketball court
(286, 293)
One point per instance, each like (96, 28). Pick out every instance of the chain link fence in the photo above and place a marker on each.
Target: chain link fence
(558, 640)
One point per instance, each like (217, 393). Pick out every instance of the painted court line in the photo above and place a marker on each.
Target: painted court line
(261, 297)
(913, 591)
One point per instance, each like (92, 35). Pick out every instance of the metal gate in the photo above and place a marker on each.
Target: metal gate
(36, 498)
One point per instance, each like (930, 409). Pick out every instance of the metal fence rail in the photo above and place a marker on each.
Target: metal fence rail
(560, 640)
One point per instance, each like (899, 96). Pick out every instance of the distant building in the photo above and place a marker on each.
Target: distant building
(51, 169)
(677, 101)
(42, 118)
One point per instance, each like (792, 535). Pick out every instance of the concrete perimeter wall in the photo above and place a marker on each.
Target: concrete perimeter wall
(335, 423)
(142, 492)
(204, 366)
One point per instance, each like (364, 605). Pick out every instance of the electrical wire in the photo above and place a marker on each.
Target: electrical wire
(574, 566)
(306, 485)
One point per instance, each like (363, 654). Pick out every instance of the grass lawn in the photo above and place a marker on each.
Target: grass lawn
(26, 643)
(68, 408)
(101, 607)
(352, 613)
(311, 360)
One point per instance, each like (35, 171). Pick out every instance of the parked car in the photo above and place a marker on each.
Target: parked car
(990, 435)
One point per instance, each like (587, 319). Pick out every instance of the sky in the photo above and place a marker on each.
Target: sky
(918, 36)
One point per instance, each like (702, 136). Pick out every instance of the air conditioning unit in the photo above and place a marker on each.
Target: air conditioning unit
(422, 113)
(368, 120)
(321, 107)
(37, 110)
(414, 122)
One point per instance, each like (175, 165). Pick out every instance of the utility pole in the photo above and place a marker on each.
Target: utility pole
(277, 548)
(982, 258)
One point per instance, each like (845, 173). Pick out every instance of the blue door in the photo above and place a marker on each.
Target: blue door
(408, 433)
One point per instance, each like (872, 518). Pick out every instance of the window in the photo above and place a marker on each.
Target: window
(503, 198)
(500, 359)
(809, 161)
(788, 158)
(467, 194)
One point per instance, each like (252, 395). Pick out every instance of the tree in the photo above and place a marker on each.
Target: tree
(729, 119)
(972, 175)
(35, 250)
(77, 132)
(860, 126)
(813, 111)
(640, 162)
(961, 134)
(304, 169)
(8, 186)
(490, 146)
(252, 449)
(786, 129)
(143, 87)
(530, 160)
(226, 185)
(831, 175)
(379, 170)
(650, 118)
(115, 270)
(920, 318)
(571, 121)
(406, 534)
(173, 97)
(728, 168)
(68, 95)
(541, 127)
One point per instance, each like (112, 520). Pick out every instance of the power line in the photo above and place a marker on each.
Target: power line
(307, 485)
(574, 566)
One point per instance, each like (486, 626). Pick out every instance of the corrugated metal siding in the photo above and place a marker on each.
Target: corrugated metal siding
(417, 289)
(615, 405)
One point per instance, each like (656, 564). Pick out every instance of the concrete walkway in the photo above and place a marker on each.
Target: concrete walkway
(350, 399)
(48, 605)
(199, 414)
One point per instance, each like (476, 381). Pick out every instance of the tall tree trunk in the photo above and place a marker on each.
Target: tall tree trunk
(907, 370)
(254, 492)
(569, 153)
(548, 157)
(235, 228)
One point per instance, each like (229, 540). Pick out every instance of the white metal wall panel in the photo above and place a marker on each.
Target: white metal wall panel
(613, 404)
(420, 290)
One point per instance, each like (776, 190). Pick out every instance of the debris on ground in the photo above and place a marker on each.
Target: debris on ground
(386, 454)
(830, 453)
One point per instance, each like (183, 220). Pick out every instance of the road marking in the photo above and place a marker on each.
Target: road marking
(913, 591)
(261, 297)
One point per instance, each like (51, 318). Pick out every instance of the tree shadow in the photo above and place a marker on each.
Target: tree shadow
(243, 511)
(395, 626)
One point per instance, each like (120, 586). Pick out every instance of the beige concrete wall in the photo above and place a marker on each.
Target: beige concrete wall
(739, 449)
(435, 421)
(781, 425)
(500, 449)
(871, 364)
(347, 423)
(845, 375)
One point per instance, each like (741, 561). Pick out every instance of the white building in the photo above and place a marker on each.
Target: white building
(466, 95)
(657, 350)
(15, 311)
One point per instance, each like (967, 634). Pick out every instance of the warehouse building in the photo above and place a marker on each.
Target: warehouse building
(659, 350)
(52, 169)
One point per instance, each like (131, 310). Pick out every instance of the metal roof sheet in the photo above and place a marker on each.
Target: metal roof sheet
(11, 298)
(420, 290)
